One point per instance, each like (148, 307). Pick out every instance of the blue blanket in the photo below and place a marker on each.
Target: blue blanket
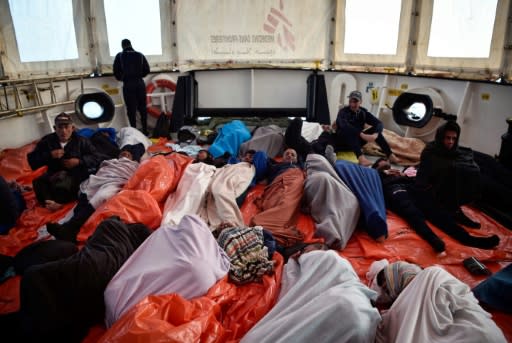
(495, 291)
(366, 185)
(230, 138)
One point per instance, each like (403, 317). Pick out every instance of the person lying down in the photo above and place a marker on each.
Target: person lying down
(429, 305)
(321, 300)
(183, 259)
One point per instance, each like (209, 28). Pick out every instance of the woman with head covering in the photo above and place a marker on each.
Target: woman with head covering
(431, 305)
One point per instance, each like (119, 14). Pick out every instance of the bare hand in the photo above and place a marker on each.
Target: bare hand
(70, 163)
(57, 153)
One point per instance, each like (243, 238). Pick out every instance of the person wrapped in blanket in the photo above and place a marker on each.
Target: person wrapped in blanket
(183, 259)
(402, 201)
(448, 175)
(98, 188)
(321, 300)
(428, 305)
(70, 159)
(62, 299)
(279, 203)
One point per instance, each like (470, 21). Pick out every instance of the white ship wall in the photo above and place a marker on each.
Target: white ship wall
(483, 122)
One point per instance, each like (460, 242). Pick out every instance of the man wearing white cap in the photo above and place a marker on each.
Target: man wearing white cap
(351, 133)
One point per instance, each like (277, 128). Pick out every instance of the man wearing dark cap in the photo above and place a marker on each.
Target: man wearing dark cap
(351, 133)
(131, 66)
(70, 159)
(97, 189)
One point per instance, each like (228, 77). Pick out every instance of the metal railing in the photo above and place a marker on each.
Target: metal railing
(11, 90)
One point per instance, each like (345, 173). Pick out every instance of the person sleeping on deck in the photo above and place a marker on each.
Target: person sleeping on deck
(62, 299)
(400, 199)
(70, 159)
(333, 206)
(429, 305)
(183, 259)
(213, 193)
(279, 203)
(321, 300)
(98, 188)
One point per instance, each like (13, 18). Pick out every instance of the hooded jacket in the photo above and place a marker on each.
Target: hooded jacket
(450, 174)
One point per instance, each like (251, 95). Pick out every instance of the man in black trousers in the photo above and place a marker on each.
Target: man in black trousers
(131, 66)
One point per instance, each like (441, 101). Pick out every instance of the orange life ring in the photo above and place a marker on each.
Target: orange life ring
(150, 88)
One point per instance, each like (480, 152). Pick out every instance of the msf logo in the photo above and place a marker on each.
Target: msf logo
(277, 21)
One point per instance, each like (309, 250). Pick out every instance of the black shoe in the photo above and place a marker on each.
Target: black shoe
(60, 231)
(489, 242)
(461, 218)
(438, 244)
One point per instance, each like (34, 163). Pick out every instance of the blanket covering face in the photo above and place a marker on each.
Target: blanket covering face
(183, 259)
(436, 307)
(333, 206)
(321, 300)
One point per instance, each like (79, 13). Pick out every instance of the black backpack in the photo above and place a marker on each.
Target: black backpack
(163, 126)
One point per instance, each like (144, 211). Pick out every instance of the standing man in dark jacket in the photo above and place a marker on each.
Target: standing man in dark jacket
(351, 133)
(70, 159)
(131, 66)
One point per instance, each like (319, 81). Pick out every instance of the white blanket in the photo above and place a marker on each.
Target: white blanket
(190, 195)
(321, 300)
(228, 183)
(183, 259)
(108, 180)
(436, 307)
(130, 135)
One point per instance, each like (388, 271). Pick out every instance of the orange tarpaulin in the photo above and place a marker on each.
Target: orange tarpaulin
(224, 314)
(159, 175)
(227, 311)
(131, 206)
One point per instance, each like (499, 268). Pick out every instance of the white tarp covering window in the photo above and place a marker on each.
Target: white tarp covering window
(371, 26)
(44, 30)
(470, 24)
(138, 21)
(247, 30)
(462, 36)
(372, 33)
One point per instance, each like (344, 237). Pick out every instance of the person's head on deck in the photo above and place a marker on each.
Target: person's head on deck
(64, 127)
(290, 156)
(354, 100)
(203, 156)
(248, 156)
(447, 135)
(394, 277)
(132, 152)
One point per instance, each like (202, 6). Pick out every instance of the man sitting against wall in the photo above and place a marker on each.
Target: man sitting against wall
(70, 159)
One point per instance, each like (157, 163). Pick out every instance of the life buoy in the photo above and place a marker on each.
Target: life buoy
(150, 88)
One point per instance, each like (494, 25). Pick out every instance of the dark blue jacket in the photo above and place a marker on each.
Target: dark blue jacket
(130, 66)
